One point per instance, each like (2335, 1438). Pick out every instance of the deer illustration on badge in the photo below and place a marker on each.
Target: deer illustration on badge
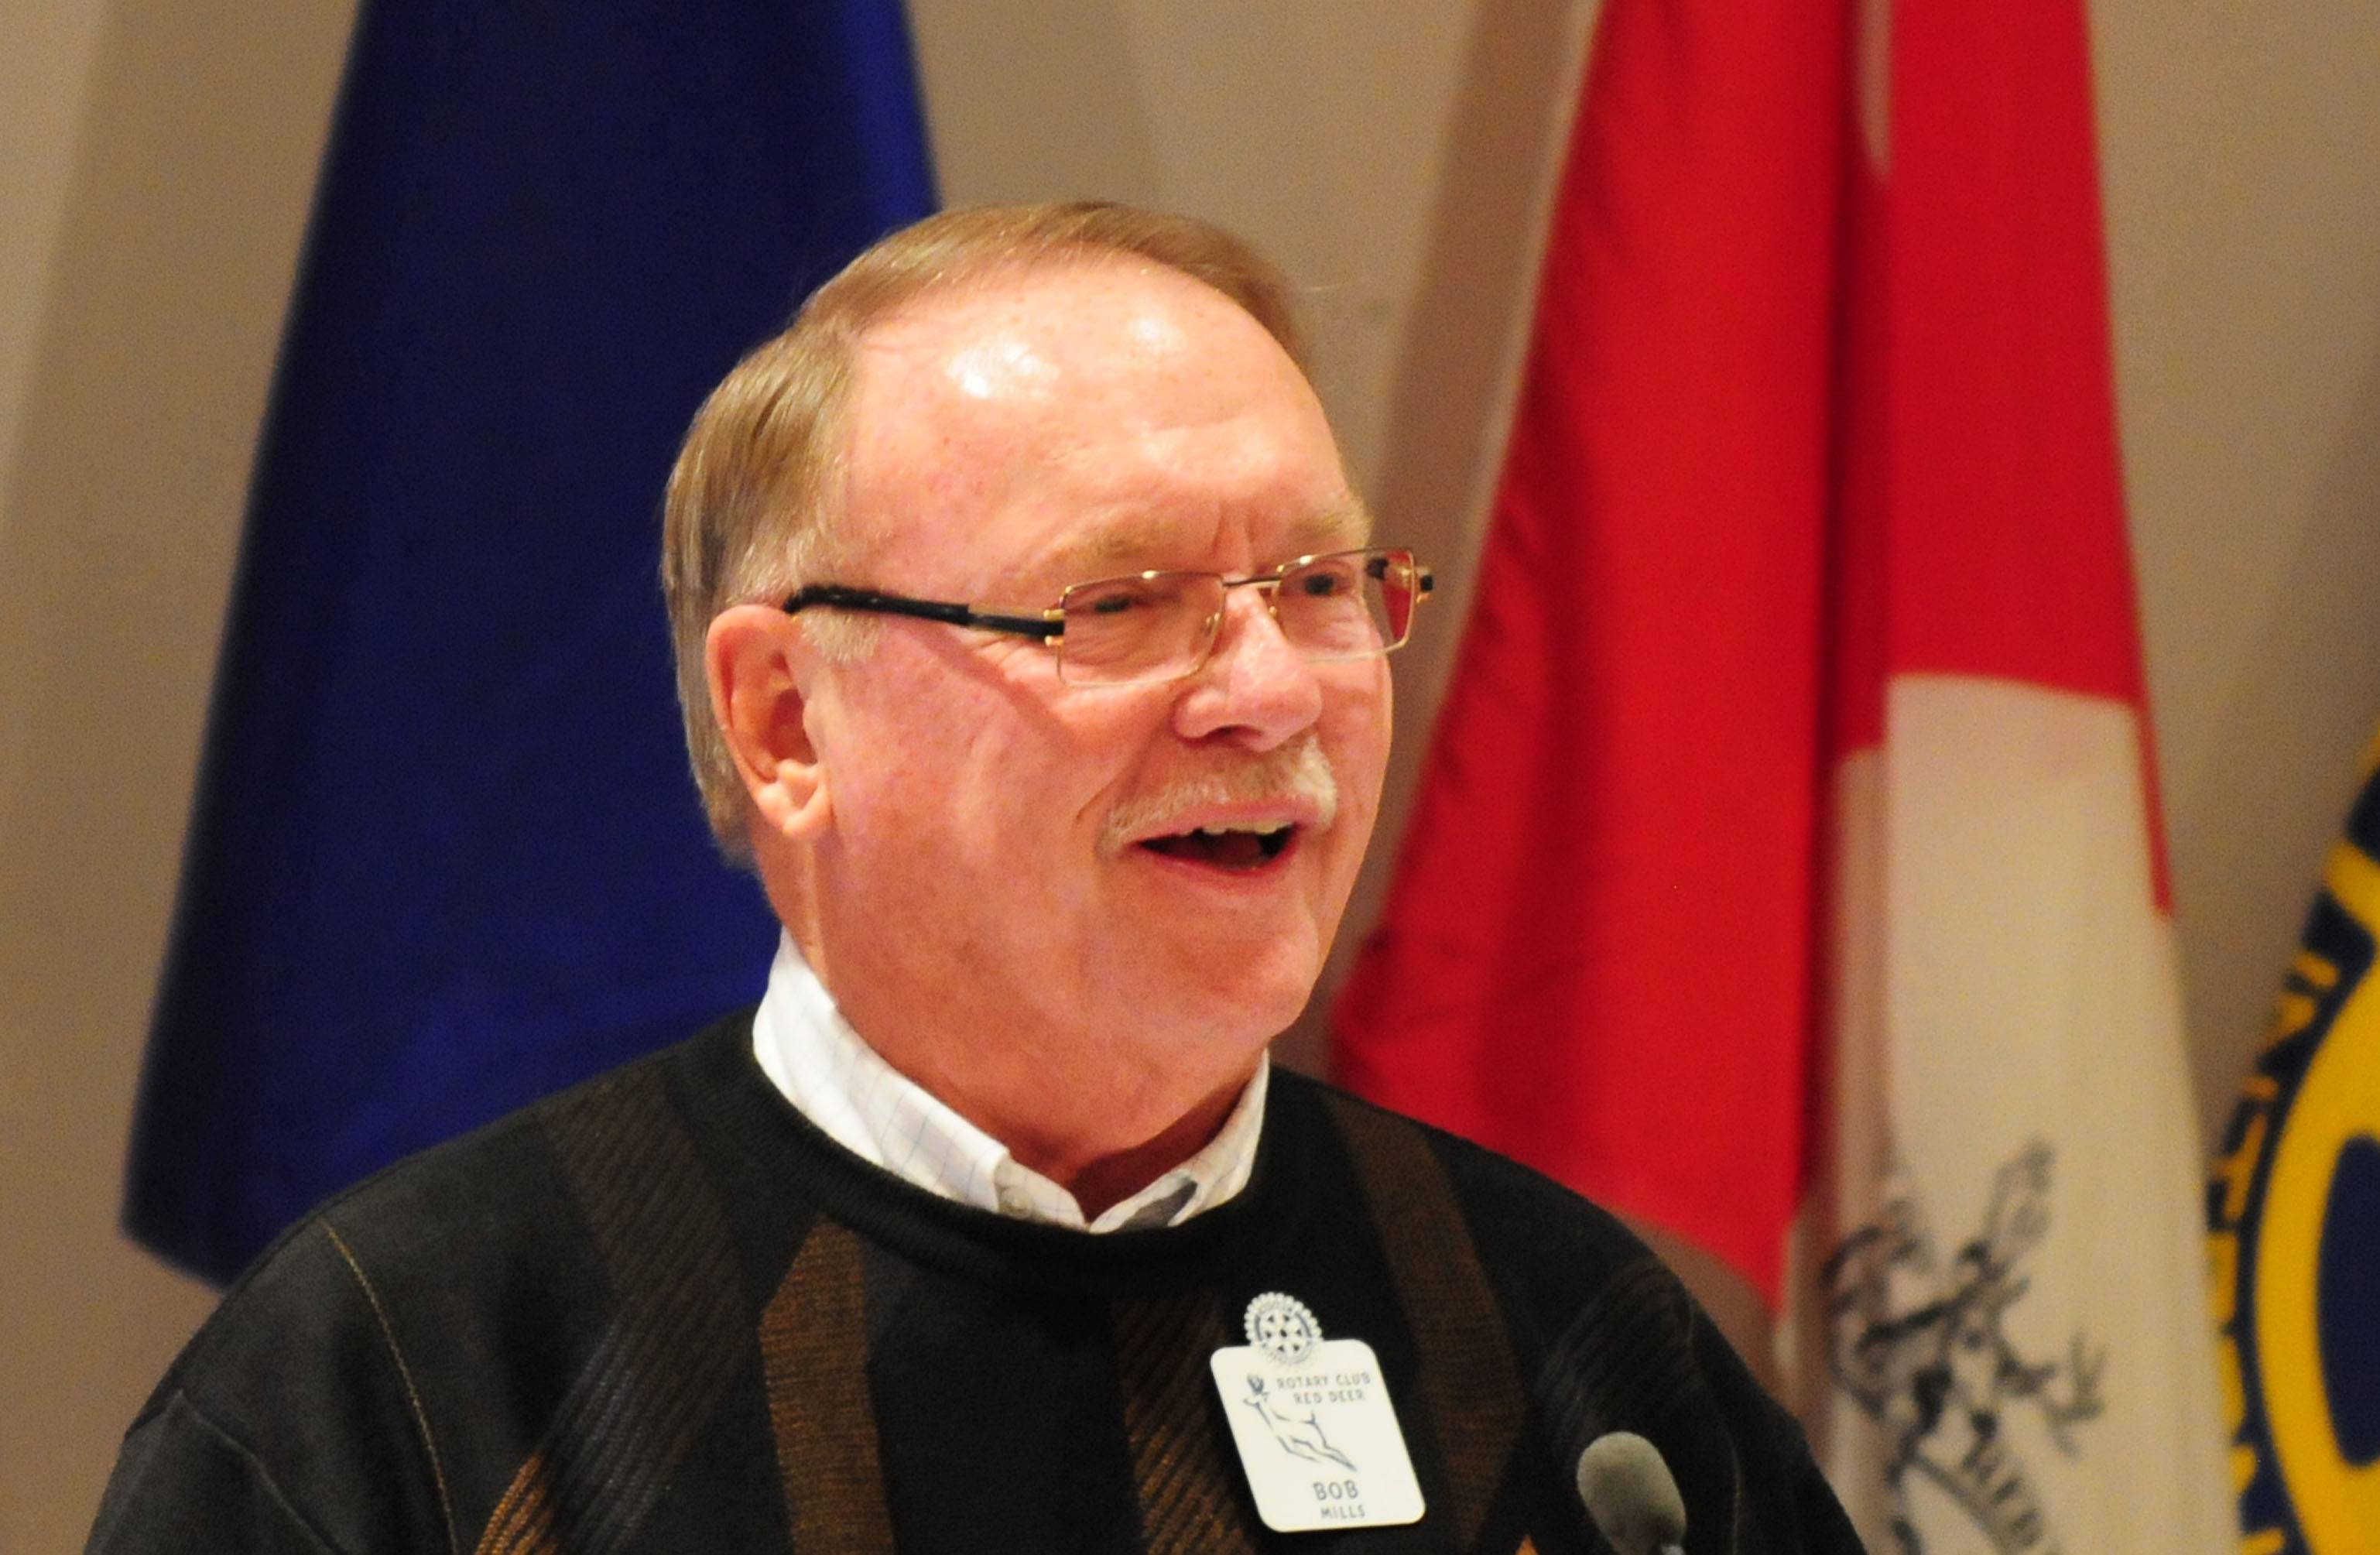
(1300, 1435)
(1282, 1329)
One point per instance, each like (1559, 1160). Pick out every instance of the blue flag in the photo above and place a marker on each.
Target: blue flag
(445, 854)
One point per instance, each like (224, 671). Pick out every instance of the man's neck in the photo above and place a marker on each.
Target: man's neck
(1102, 1138)
(1098, 1118)
(1102, 1180)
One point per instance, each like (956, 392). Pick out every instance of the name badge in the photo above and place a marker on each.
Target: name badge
(1317, 1436)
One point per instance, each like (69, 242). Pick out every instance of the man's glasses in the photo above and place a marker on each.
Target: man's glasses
(1162, 626)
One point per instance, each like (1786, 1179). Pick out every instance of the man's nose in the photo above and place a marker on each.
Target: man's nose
(1255, 685)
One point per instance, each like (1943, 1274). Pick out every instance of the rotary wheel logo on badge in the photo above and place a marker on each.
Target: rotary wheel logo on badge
(1282, 1328)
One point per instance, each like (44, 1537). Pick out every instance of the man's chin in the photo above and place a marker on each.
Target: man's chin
(1240, 955)
(1252, 988)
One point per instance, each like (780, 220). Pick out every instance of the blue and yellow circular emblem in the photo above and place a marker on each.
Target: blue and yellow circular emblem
(2293, 1214)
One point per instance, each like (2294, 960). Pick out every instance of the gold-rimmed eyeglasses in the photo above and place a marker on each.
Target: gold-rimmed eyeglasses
(1149, 627)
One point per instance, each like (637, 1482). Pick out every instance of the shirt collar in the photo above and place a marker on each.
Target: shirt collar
(837, 1081)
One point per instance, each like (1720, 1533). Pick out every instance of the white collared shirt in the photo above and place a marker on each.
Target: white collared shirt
(837, 1081)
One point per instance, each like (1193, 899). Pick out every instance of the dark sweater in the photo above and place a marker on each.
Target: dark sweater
(661, 1312)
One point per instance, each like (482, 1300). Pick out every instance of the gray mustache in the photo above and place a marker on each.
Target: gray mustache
(1295, 772)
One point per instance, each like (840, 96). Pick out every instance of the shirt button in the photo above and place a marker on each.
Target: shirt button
(1014, 1203)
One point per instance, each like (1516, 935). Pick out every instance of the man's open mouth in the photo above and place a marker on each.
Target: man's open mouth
(1227, 847)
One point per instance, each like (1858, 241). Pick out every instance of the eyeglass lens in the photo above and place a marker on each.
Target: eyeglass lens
(1351, 605)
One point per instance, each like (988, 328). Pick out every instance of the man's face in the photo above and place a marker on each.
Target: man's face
(1005, 850)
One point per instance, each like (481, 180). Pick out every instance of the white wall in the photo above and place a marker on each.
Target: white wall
(2238, 144)
(154, 160)
(159, 155)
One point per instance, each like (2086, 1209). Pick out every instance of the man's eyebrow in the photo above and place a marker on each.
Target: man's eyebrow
(1345, 523)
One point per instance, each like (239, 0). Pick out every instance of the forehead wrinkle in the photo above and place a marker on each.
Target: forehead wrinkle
(935, 441)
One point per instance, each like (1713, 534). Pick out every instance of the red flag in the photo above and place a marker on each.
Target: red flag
(1790, 802)
(1597, 955)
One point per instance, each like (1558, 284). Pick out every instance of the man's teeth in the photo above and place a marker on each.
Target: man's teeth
(1229, 845)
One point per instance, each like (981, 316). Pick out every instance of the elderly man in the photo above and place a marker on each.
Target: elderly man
(1032, 648)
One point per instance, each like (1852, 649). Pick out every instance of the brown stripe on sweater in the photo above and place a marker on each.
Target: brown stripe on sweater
(1469, 1375)
(814, 1362)
(523, 1523)
(1189, 1496)
(674, 1343)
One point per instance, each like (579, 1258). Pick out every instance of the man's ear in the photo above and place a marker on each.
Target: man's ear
(755, 661)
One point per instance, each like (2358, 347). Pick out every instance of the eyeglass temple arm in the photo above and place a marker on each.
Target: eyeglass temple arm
(1052, 623)
(837, 596)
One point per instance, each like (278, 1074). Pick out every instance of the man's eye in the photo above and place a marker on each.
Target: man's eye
(1322, 585)
(1112, 604)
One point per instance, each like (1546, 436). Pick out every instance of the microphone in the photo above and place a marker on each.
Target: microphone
(1630, 1494)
